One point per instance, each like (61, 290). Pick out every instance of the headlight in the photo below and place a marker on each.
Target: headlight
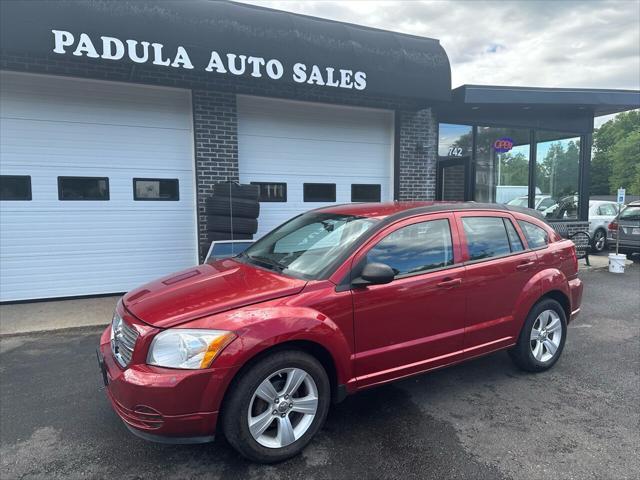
(116, 325)
(189, 349)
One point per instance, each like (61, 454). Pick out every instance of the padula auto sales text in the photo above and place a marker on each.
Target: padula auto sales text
(112, 48)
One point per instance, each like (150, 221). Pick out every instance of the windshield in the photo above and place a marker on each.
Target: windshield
(307, 244)
(630, 213)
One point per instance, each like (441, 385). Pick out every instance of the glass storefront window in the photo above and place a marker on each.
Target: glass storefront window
(557, 174)
(502, 165)
(455, 141)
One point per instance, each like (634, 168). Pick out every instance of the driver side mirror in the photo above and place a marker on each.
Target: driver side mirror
(374, 274)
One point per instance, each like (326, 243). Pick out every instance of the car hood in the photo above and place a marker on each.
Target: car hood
(205, 290)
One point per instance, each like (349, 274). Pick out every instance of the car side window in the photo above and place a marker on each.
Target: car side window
(486, 237)
(415, 248)
(514, 238)
(607, 209)
(536, 237)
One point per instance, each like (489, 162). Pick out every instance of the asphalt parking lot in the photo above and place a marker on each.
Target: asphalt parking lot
(481, 420)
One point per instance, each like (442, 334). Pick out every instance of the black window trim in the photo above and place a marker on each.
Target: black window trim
(504, 221)
(63, 177)
(284, 184)
(379, 187)
(139, 199)
(530, 249)
(304, 185)
(29, 196)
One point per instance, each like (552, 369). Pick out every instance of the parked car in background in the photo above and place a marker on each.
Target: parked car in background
(336, 300)
(563, 208)
(627, 225)
(542, 202)
(601, 213)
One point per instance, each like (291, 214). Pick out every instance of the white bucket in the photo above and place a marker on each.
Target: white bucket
(616, 262)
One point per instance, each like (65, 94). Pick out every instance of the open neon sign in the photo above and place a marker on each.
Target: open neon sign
(503, 145)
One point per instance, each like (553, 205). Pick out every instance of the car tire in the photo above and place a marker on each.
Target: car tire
(287, 431)
(236, 191)
(542, 337)
(213, 236)
(599, 241)
(220, 223)
(241, 207)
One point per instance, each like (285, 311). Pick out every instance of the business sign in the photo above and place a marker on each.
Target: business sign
(503, 145)
(112, 48)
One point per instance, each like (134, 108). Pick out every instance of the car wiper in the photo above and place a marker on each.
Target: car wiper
(266, 261)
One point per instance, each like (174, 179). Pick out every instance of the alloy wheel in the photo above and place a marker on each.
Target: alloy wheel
(546, 336)
(283, 408)
(599, 240)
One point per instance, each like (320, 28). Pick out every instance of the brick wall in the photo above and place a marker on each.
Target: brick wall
(570, 227)
(418, 154)
(215, 125)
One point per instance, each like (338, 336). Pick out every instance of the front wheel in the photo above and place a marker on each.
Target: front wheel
(277, 406)
(542, 337)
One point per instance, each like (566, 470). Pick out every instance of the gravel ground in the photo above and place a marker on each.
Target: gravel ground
(483, 419)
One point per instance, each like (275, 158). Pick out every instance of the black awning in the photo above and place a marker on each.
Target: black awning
(394, 64)
(561, 109)
(595, 101)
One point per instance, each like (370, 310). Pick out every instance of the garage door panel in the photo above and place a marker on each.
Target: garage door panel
(89, 274)
(292, 156)
(297, 143)
(44, 187)
(103, 146)
(297, 120)
(79, 101)
(54, 127)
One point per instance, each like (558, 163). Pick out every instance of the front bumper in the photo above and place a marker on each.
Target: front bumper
(161, 404)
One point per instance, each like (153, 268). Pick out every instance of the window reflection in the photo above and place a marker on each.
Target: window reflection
(502, 165)
(454, 141)
(557, 173)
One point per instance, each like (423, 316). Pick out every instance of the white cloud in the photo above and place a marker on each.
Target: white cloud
(534, 43)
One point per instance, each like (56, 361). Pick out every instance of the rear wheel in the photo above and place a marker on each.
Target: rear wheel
(277, 406)
(599, 241)
(542, 337)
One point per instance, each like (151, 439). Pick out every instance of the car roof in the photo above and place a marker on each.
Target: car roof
(401, 209)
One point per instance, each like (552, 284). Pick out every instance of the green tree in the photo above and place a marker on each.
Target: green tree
(616, 155)
(557, 173)
(514, 169)
(625, 164)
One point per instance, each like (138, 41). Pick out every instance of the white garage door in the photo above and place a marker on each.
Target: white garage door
(296, 143)
(109, 134)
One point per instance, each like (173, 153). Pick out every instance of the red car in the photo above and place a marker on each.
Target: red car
(334, 301)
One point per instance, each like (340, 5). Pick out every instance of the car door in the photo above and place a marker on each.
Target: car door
(497, 271)
(416, 322)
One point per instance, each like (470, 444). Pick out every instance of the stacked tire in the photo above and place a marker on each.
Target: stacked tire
(232, 212)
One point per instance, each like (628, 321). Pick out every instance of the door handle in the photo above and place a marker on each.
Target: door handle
(525, 265)
(450, 283)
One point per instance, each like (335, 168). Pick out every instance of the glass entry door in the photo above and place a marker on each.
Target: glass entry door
(453, 179)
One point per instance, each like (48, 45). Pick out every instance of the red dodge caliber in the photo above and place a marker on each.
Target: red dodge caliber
(336, 300)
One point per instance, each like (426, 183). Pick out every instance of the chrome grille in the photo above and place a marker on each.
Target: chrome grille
(123, 340)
